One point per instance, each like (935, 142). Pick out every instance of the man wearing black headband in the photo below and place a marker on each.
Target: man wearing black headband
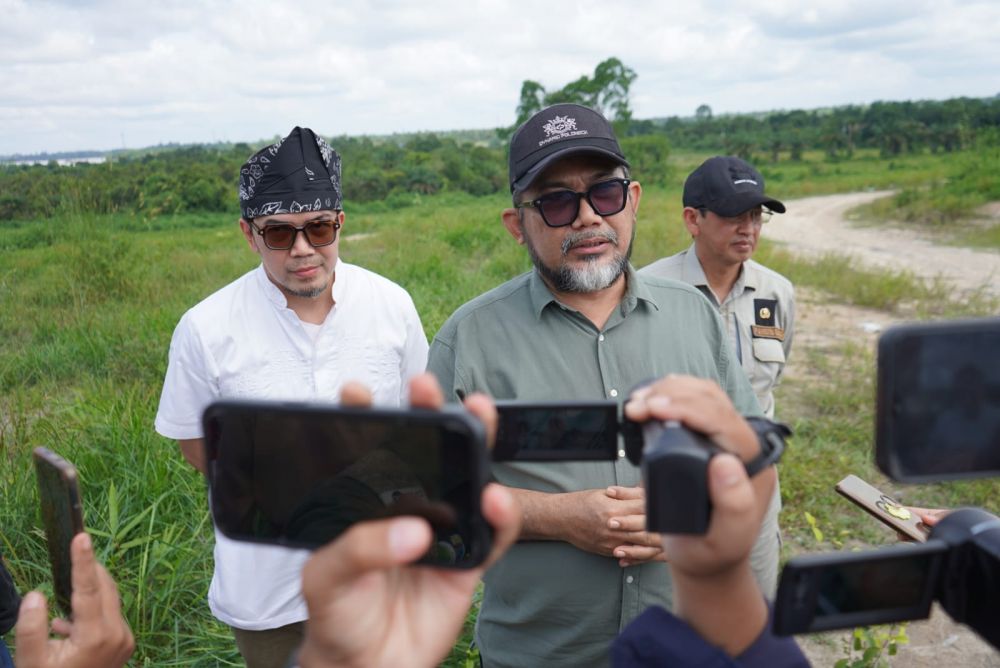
(295, 328)
(583, 325)
(724, 208)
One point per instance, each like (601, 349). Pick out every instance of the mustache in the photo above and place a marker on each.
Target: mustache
(307, 265)
(573, 238)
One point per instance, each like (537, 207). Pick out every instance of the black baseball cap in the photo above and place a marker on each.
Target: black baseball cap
(556, 132)
(727, 186)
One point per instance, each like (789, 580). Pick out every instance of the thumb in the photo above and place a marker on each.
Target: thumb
(32, 631)
(365, 547)
(733, 499)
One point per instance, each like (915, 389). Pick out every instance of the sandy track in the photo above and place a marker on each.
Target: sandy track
(817, 225)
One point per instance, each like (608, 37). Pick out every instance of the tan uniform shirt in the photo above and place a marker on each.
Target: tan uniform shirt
(759, 316)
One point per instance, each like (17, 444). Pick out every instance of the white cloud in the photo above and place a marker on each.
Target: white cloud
(85, 75)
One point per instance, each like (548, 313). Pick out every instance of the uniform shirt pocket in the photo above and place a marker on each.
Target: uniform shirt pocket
(768, 350)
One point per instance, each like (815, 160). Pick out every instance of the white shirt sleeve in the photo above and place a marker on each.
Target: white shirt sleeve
(414, 359)
(189, 386)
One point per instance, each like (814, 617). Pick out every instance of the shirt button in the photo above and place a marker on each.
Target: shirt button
(621, 453)
(600, 337)
(629, 579)
(613, 393)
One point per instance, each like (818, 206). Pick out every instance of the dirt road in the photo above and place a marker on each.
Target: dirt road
(817, 225)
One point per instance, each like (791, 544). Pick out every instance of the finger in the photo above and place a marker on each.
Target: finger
(734, 503)
(111, 603)
(365, 547)
(86, 599)
(637, 553)
(625, 493)
(425, 392)
(117, 630)
(483, 408)
(632, 523)
(355, 394)
(62, 627)
(929, 516)
(504, 515)
(32, 630)
(932, 517)
(644, 538)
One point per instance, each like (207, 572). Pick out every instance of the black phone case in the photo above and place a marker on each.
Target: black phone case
(906, 450)
(313, 509)
(62, 517)
(588, 432)
(797, 608)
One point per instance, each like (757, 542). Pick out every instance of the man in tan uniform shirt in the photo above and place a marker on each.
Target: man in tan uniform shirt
(724, 209)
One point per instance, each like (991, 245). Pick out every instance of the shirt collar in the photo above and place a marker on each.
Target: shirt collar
(635, 290)
(692, 271)
(277, 297)
(695, 275)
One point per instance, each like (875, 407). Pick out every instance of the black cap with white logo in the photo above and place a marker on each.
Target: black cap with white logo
(727, 186)
(556, 132)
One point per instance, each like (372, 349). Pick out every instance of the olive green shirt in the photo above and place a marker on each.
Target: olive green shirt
(547, 602)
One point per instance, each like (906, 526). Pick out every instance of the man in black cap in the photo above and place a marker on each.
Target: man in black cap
(297, 327)
(724, 209)
(581, 326)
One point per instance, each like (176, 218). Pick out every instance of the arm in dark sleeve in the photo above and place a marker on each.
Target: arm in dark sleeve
(441, 362)
(9, 600)
(658, 638)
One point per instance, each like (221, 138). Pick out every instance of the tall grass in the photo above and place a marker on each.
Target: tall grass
(88, 305)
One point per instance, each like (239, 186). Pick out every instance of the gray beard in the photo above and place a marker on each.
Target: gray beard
(594, 276)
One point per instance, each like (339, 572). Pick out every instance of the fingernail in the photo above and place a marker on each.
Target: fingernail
(404, 534)
(620, 554)
(86, 542)
(32, 600)
(614, 524)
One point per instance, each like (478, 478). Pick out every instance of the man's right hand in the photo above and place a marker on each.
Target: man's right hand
(98, 636)
(583, 519)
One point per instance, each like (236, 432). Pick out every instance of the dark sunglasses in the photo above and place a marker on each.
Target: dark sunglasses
(560, 208)
(281, 236)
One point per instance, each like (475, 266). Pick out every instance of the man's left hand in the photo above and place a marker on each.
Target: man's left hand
(642, 546)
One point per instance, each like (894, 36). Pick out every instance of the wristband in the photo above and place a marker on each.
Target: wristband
(771, 437)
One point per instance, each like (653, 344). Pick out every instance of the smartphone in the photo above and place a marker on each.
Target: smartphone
(838, 590)
(301, 474)
(556, 431)
(62, 517)
(883, 508)
(938, 401)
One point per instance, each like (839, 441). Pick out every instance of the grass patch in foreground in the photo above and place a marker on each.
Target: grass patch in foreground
(87, 307)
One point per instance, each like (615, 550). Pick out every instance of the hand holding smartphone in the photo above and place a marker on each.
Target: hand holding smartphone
(883, 508)
(300, 475)
(62, 517)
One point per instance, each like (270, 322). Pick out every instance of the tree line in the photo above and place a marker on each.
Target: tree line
(893, 128)
(397, 170)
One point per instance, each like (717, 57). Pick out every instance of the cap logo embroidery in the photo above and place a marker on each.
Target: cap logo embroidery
(739, 181)
(560, 127)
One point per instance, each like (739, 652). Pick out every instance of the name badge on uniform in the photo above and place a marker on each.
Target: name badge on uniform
(765, 313)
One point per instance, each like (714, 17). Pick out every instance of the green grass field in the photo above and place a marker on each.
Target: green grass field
(88, 305)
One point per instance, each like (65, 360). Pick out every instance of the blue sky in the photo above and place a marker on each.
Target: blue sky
(108, 73)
